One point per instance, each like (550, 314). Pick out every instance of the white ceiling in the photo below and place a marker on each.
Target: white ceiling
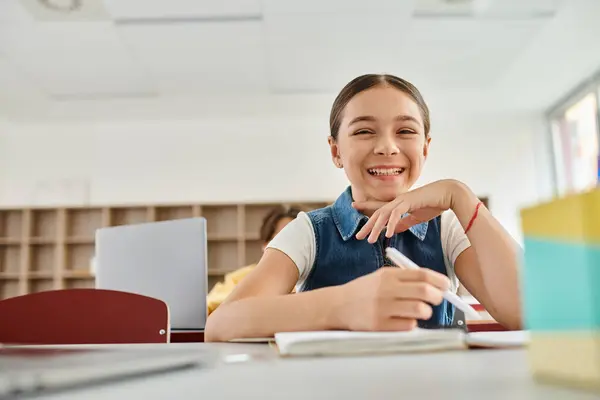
(111, 49)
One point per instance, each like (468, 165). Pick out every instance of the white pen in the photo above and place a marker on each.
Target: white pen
(404, 262)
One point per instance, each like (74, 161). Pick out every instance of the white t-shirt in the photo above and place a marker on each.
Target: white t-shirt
(297, 241)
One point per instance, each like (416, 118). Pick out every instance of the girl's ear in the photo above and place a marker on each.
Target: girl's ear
(335, 152)
(426, 146)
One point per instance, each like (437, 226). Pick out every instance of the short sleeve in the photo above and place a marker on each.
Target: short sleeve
(454, 239)
(297, 241)
(454, 242)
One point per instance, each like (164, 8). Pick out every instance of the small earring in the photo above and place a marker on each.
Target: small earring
(338, 164)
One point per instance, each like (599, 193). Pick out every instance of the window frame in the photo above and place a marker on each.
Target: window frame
(556, 112)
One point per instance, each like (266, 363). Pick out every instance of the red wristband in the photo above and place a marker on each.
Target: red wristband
(473, 217)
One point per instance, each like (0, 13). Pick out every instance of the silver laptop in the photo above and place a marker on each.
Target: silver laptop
(26, 371)
(166, 260)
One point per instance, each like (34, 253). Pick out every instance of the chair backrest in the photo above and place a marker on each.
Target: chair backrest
(83, 316)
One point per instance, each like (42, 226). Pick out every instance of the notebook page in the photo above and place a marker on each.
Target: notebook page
(290, 342)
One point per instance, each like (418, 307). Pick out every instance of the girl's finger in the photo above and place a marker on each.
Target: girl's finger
(412, 309)
(394, 219)
(362, 233)
(425, 276)
(420, 291)
(378, 227)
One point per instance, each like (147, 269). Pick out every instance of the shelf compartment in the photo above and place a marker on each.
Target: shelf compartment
(10, 257)
(80, 283)
(223, 256)
(11, 223)
(221, 221)
(44, 225)
(82, 223)
(9, 288)
(41, 285)
(174, 212)
(128, 215)
(253, 251)
(42, 258)
(79, 257)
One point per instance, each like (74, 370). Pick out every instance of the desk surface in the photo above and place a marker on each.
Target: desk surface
(474, 374)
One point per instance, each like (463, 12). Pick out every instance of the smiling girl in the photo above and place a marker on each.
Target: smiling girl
(335, 256)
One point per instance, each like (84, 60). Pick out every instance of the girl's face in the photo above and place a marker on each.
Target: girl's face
(381, 143)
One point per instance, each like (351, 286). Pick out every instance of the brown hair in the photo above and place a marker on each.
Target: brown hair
(364, 82)
(271, 220)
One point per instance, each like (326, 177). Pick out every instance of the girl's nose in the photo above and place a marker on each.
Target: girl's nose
(386, 146)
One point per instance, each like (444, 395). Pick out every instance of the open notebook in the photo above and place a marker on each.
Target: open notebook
(326, 343)
(351, 342)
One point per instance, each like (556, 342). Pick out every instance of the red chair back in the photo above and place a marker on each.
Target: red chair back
(83, 316)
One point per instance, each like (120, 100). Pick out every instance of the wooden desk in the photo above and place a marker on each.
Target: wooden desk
(464, 375)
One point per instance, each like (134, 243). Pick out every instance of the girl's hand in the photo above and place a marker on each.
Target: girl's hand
(422, 204)
(389, 299)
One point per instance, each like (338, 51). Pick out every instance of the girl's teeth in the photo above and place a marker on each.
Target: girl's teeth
(393, 171)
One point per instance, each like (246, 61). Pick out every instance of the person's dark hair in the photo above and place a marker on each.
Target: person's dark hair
(271, 220)
(364, 82)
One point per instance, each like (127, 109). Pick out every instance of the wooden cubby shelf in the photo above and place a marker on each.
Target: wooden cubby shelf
(52, 248)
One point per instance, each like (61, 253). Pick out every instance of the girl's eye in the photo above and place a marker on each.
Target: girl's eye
(363, 132)
(405, 131)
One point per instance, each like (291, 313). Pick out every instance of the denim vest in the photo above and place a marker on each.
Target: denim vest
(340, 257)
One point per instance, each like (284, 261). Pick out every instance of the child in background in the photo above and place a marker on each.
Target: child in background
(272, 223)
(334, 257)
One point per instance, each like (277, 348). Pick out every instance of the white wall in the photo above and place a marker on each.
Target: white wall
(505, 157)
(253, 159)
(168, 161)
(4, 129)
